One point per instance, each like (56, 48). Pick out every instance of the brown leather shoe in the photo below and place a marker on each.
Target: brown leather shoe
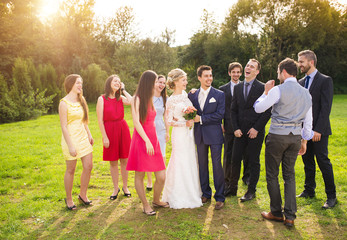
(205, 199)
(271, 217)
(289, 223)
(219, 205)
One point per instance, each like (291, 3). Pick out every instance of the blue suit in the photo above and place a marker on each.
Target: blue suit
(209, 135)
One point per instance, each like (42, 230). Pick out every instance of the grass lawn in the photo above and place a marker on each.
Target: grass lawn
(32, 195)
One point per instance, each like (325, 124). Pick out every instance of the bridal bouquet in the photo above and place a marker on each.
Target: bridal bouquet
(189, 113)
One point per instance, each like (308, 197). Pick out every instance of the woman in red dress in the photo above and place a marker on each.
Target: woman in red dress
(145, 154)
(115, 131)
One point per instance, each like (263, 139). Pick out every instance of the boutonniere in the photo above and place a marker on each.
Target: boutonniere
(212, 100)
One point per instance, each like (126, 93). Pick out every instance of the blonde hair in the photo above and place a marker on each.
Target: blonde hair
(173, 76)
(69, 82)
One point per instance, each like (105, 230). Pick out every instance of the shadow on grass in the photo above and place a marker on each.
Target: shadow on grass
(83, 223)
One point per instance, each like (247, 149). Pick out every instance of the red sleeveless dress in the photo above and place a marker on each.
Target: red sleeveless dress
(117, 130)
(138, 159)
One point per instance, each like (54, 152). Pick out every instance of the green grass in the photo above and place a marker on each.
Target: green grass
(32, 195)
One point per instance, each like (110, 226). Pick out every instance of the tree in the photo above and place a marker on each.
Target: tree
(122, 27)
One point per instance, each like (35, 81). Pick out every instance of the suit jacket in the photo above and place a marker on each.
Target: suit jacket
(228, 127)
(322, 92)
(210, 131)
(243, 114)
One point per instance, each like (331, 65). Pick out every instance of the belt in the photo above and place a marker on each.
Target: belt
(287, 124)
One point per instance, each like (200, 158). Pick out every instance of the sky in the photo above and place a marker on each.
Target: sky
(153, 16)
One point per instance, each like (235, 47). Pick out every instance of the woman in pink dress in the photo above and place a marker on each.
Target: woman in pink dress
(145, 154)
(115, 131)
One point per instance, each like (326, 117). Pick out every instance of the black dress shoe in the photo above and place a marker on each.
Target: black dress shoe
(305, 195)
(330, 203)
(248, 196)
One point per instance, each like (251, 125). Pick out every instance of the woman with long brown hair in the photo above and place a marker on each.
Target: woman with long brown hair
(161, 126)
(76, 138)
(115, 131)
(145, 154)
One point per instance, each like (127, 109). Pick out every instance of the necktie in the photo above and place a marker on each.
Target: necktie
(307, 81)
(246, 91)
(202, 99)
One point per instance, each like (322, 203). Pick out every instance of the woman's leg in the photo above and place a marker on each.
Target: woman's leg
(158, 186)
(149, 180)
(68, 180)
(140, 189)
(87, 163)
(124, 172)
(114, 175)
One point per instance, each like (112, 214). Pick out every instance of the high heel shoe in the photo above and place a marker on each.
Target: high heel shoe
(114, 197)
(73, 207)
(126, 194)
(86, 203)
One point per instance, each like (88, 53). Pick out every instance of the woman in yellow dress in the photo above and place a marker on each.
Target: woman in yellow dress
(76, 140)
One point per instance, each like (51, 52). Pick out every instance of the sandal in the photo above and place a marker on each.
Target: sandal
(149, 188)
(73, 207)
(151, 213)
(114, 197)
(167, 205)
(86, 203)
(126, 194)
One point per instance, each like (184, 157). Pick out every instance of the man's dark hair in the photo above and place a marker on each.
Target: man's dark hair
(202, 68)
(290, 66)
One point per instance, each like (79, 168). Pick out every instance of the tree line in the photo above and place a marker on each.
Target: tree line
(36, 56)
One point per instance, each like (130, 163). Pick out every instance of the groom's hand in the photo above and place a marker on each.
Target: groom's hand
(197, 118)
(238, 133)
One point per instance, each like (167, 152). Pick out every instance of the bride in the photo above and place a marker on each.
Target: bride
(182, 187)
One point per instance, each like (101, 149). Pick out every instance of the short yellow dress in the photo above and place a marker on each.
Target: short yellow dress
(77, 132)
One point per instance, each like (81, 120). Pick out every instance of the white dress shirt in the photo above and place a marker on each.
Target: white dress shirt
(264, 102)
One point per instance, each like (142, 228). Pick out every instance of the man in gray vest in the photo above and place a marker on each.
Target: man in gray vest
(291, 109)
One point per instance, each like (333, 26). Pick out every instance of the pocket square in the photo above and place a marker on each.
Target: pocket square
(212, 100)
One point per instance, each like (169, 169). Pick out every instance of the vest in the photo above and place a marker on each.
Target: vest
(289, 113)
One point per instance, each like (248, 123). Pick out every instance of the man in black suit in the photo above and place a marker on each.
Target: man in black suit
(235, 72)
(249, 128)
(321, 90)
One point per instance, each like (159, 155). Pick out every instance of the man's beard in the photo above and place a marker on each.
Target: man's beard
(305, 69)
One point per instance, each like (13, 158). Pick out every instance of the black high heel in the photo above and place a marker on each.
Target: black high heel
(73, 207)
(126, 194)
(86, 203)
(114, 197)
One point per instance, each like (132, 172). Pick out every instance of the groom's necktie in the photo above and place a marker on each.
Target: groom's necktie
(202, 99)
(307, 81)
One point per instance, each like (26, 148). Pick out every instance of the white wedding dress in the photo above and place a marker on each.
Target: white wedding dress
(182, 186)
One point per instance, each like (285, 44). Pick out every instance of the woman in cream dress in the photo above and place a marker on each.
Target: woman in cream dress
(76, 139)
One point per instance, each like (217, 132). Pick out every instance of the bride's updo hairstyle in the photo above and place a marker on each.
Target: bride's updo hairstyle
(173, 76)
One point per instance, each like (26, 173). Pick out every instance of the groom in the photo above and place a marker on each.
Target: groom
(210, 104)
